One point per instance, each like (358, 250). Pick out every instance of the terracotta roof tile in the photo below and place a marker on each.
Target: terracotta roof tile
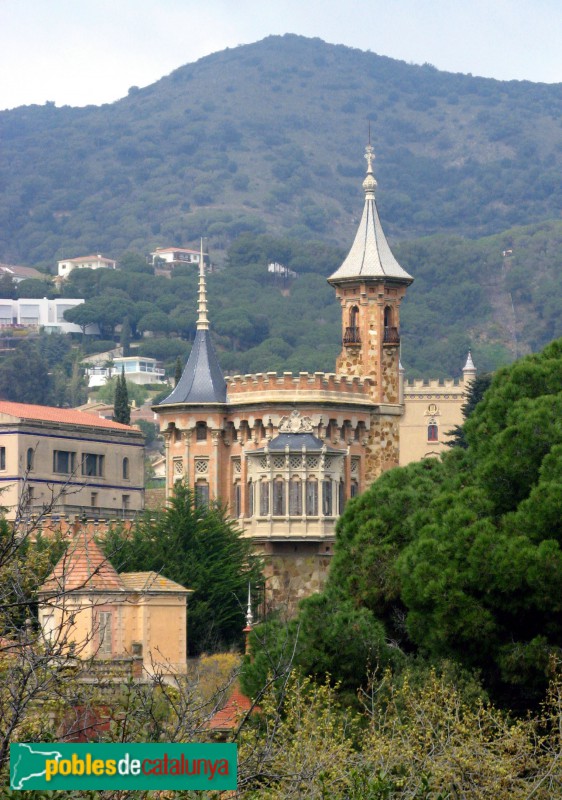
(83, 567)
(230, 715)
(150, 582)
(66, 416)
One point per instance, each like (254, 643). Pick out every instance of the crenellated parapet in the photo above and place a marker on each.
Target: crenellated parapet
(304, 386)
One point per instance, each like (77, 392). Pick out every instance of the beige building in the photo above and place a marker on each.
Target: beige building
(68, 462)
(68, 265)
(286, 452)
(87, 608)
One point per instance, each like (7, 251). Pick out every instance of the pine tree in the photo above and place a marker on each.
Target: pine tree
(121, 408)
(178, 371)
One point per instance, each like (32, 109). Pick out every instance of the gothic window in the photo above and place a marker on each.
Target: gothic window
(202, 493)
(353, 317)
(387, 317)
(341, 497)
(250, 499)
(312, 497)
(432, 432)
(327, 498)
(29, 460)
(264, 498)
(279, 497)
(201, 432)
(295, 497)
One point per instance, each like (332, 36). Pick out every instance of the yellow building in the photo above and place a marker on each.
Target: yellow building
(64, 461)
(287, 451)
(88, 609)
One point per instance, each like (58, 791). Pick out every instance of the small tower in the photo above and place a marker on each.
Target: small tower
(370, 285)
(468, 371)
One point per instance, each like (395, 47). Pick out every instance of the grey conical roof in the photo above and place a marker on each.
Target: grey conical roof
(202, 380)
(370, 256)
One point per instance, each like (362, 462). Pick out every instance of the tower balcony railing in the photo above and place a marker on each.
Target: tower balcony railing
(391, 335)
(351, 337)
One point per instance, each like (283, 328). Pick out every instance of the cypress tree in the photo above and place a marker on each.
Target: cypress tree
(178, 371)
(121, 408)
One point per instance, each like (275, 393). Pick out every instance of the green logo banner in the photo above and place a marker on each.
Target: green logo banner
(34, 765)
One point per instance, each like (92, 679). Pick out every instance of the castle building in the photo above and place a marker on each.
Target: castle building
(286, 452)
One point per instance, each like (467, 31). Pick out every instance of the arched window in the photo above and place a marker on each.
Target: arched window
(295, 497)
(387, 317)
(312, 497)
(125, 469)
(353, 316)
(432, 432)
(279, 497)
(201, 432)
(29, 459)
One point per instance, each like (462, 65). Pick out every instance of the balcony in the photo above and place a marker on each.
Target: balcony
(391, 336)
(351, 337)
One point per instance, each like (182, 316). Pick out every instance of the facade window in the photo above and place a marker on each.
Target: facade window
(201, 432)
(250, 499)
(94, 500)
(237, 500)
(387, 317)
(432, 432)
(2, 458)
(92, 464)
(354, 488)
(125, 469)
(125, 502)
(202, 493)
(341, 497)
(295, 498)
(264, 498)
(312, 498)
(105, 633)
(327, 498)
(29, 459)
(64, 462)
(279, 498)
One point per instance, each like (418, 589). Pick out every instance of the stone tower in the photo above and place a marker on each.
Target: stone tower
(370, 285)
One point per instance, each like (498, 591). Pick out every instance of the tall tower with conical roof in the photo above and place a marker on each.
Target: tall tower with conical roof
(370, 285)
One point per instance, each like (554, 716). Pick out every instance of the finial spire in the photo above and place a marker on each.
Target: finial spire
(370, 155)
(202, 320)
(249, 615)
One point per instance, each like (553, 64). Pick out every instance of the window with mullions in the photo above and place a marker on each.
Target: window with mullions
(202, 494)
(92, 465)
(64, 462)
(279, 498)
(295, 497)
(312, 498)
(327, 498)
(264, 498)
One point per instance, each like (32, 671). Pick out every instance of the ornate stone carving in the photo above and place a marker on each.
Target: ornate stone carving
(295, 423)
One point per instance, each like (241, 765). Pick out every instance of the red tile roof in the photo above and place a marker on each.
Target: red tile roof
(66, 416)
(231, 714)
(83, 567)
(150, 582)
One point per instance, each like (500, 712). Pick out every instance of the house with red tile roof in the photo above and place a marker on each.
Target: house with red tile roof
(86, 607)
(63, 461)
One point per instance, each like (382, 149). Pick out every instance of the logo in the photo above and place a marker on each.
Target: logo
(122, 766)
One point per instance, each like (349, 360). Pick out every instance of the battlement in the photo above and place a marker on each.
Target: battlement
(319, 384)
(448, 387)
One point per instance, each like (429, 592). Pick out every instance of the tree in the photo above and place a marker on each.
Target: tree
(24, 376)
(200, 548)
(476, 391)
(121, 408)
(126, 337)
(178, 370)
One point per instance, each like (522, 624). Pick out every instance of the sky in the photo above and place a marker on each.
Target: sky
(81, 52)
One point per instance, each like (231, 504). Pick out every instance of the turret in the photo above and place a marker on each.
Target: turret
(370, 285)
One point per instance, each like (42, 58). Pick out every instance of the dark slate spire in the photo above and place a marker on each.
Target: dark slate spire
(202, 380)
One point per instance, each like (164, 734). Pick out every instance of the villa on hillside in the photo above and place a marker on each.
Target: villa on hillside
(68, 265)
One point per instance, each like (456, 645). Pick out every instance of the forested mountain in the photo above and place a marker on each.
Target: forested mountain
(268, 138)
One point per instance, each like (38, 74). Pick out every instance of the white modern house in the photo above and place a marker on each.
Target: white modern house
(138, 369)
(67, 265)
(41, 313)
(173, 256)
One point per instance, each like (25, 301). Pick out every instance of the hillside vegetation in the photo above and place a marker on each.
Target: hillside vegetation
(269, 138)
